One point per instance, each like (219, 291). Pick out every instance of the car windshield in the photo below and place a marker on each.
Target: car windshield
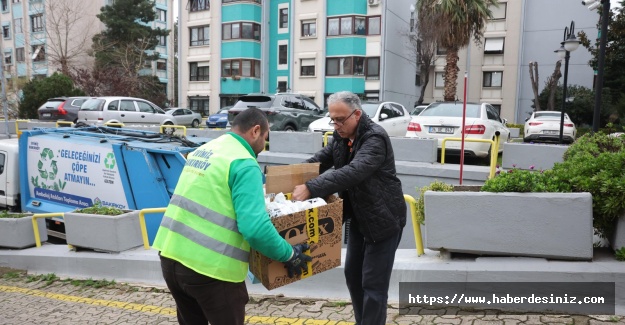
(254, 101)
(547, 115)
(451, 110)
(223, 111)
(93, 104)
(417, 110)
(370, 109)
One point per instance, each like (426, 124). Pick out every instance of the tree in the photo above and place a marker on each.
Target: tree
(551, 84)
(128, 41)
(534, 79)
(582, 99)
(37, 91)
(68, 29)
(423, 43)
(462, 19)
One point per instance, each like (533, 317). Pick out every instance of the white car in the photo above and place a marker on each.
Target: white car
(126, 110)
(444, 120)
(545, 126)
(393, 117)
(185, 116)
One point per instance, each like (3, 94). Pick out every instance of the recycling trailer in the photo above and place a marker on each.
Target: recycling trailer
(64, 169)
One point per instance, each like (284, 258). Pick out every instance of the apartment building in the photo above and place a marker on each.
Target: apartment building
(34, 31)
(312, 47)
(521, 31)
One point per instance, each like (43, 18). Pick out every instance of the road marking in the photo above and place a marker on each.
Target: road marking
(162, 310)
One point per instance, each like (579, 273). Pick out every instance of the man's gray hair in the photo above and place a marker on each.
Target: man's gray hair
(346, 97)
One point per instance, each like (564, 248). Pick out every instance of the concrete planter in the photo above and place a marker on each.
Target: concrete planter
(416, 150)
(514, 132)
(524, 155)
(103, 233)
(550, 225)
(618, 239)
(18, 232)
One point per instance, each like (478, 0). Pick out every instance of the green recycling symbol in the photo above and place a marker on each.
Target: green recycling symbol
(109, 161)
(47, 172)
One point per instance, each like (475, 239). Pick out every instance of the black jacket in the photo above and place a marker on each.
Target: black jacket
(365, 178)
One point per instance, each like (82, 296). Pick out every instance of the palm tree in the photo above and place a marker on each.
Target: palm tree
(460, 20)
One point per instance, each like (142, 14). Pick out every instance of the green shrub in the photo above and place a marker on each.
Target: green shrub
(99, 209)
(434, 186)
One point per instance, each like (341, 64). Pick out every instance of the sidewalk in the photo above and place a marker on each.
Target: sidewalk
(46, 299)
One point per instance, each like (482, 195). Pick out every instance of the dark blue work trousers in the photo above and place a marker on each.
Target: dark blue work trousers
(368, 268)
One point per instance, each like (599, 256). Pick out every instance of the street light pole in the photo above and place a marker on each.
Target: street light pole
(605, 17)
(569, 44)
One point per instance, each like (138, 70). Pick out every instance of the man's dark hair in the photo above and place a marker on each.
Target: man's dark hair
(249, 118)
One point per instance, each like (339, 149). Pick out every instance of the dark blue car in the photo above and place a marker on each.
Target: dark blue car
(219, 120)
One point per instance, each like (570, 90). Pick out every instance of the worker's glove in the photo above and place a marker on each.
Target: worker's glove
(297, 262)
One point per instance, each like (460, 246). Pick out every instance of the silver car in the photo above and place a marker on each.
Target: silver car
(126, 110)
(185, 116)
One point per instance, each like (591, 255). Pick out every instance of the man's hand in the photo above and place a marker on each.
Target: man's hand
(297, 263)
(300, 193)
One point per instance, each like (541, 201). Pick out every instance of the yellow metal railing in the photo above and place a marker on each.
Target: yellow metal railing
(144, 231)
(114, 124)
(325, 137)
(184, 128)
(36, 227)
(63, 123)
(17, 127)
(494, 151)
(416, 226)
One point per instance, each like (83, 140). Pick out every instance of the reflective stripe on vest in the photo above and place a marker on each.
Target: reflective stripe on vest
(203, 240)
(204, 213)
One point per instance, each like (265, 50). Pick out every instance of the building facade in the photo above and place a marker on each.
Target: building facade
(520, 32)
(311, 47)
(35, 33)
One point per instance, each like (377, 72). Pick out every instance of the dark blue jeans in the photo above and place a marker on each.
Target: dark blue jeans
(368, 268)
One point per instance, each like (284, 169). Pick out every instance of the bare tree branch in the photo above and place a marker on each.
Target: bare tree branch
(534, 80)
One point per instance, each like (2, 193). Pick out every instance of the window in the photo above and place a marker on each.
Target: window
(6, 31)
(199, 5)
(36, 23)
(492, 79)
(200, 35)
(359, 66)
(240, 31)
(240, 67)
(494, 45)
(127, 106)
(19, 54)
(39, 53)
(199, 104)
(5, 5)
(440, 50)
(8, 58)
(373, 68)
(491, 114)
(198, 71)
(113, 106)
(282, 54)
(226, 1)
(17, 25)
(346, 25)
(498, 13)
(309, 28)
(439, 79)
(333, 26)
(359, 26)
(15, 1)
(161, 15)
(497, 108)
(281, 86)
(145, 107)
(307, 67)
(373, 25)
(284, 18)
(162, 40)
(161, 65)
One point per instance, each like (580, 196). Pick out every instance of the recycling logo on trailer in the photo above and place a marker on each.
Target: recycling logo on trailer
(47, 172)
(109, 161)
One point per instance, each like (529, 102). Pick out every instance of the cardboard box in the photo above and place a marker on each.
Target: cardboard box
(298, 228)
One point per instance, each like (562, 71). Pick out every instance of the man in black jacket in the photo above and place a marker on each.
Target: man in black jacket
(364, 176)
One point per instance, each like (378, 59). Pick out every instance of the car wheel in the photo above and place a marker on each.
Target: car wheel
(195, 123)
(168, 131)
(289, 128)
(526, 140)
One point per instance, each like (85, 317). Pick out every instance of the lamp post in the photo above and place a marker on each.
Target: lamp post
(569, 44)
(605, 16)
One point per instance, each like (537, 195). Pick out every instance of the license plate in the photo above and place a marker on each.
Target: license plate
(551, 132)
(46, 114)
(212, 123)
(442, 129)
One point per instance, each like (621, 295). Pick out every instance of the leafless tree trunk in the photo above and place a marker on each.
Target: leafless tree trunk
(552, 85)
(68, 30)
(534, 79)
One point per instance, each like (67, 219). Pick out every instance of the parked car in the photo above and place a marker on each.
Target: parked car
(285, 111)
(393, 117)
(418, 109)
(545, 126)
(126, 110)
(185, 116)
(219, 120)
(61, 108)
(444, 120)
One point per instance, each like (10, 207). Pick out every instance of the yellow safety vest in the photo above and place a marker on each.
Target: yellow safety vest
(199, 228)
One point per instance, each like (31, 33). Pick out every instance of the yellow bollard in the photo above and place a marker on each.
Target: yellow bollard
(184, 128)
(325, 137)
(144, 231)
(36, 228)
(416, 226)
